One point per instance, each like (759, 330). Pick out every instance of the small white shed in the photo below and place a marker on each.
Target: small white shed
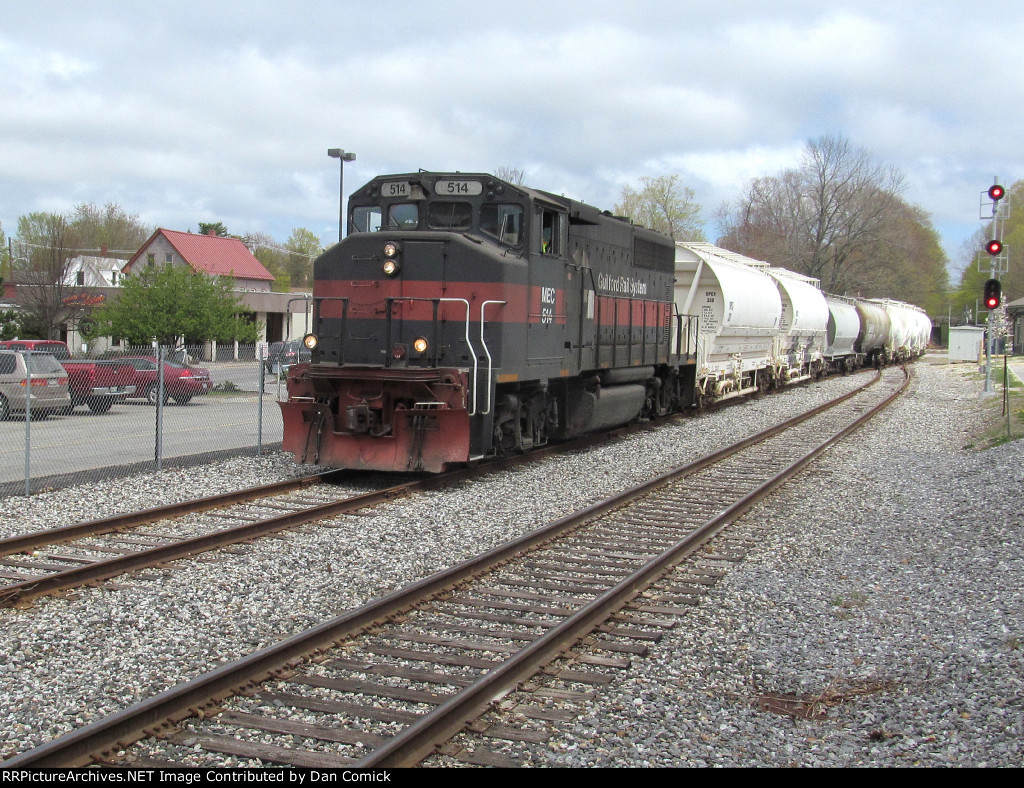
(966, 342)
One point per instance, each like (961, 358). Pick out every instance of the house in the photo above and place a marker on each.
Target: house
(85, 271)
(206, 254)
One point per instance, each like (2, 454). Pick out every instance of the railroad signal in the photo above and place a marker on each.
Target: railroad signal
(994, 247)
(993, 294)
(996, 193)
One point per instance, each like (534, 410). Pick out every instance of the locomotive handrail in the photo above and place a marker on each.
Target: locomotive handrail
(490, 361)
(435, 301)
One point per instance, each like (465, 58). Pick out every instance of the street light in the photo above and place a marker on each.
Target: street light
(342, 157)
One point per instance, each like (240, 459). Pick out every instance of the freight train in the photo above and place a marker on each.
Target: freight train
(465, 316)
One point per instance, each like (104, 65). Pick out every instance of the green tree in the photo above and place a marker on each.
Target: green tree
(5, 258)
(303, 247)
(665, 205)
(274, 258)
(216, 228)
(10, 325)
(172, 302)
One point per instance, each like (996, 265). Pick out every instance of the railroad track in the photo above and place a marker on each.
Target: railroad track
(387, 683)
(56, 560)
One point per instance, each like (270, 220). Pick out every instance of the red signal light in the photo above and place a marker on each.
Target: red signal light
(996, 193)
(993, 294)
(994, 247)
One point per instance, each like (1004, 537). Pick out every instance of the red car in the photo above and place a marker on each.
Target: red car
(181, 383)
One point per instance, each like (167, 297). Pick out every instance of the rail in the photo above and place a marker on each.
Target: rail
(103, 738)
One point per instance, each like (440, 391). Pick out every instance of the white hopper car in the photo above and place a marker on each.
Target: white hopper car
(763, 327)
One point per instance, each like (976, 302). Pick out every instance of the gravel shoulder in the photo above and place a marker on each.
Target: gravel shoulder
(860, 594)
(884, 605)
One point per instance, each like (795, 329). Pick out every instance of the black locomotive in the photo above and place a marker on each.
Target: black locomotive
(465, 316)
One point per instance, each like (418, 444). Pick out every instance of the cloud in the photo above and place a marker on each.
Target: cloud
(224, 111)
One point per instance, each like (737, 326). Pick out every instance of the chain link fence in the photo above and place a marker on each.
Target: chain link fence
(147, 408)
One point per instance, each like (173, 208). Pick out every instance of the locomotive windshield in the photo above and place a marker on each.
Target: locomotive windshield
(365, 219)
(403, 216)
(450, 216)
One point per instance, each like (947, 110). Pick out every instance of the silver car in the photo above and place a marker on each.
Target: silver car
(45, 389)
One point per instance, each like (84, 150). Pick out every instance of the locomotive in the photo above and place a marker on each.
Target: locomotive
(465, 316)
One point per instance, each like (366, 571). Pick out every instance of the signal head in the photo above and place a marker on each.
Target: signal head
(994, 247)
(996, 193)
(993, 294)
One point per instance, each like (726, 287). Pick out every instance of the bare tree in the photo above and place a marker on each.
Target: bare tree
(47, 288)
(110, 226)
(513, 175)
(663, 204)
(824, 219)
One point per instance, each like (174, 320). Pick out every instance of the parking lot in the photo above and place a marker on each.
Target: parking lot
(220, 422)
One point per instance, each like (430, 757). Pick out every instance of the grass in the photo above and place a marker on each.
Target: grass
(999, 429)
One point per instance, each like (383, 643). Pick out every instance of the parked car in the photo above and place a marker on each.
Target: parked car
(281, 355)
(97, 384)
(33, 380)
(181, 383)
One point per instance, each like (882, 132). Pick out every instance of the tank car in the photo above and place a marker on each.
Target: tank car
(465, 316)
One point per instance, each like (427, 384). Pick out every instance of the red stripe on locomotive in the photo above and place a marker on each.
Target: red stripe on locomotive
(412, 302)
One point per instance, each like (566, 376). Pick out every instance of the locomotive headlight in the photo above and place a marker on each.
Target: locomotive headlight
(310, 341)
(391, 252)
(419, 345)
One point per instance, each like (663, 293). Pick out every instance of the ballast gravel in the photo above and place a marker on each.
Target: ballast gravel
(883, 610)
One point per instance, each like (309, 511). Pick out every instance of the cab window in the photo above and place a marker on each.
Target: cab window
(403, 216)
(550, 241)
(365, 219)
(450, 215)
(504, 222)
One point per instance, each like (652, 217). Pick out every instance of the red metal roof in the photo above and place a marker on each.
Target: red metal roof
(211, 254)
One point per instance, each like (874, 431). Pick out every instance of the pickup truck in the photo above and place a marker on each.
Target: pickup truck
(98, 384)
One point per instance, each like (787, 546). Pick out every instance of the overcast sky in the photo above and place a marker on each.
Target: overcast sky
(223, 111)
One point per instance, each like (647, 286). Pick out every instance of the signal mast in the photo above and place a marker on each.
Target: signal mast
(999, 211)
